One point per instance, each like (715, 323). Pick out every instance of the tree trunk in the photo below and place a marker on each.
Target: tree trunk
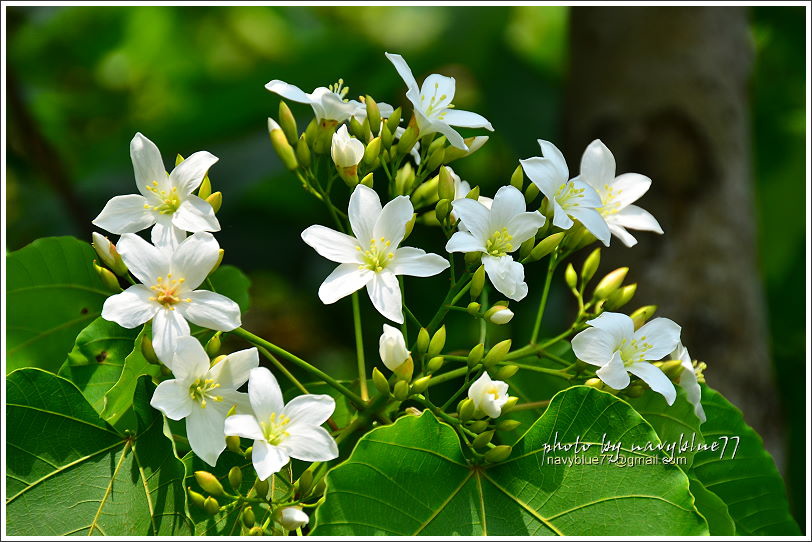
(665, 88)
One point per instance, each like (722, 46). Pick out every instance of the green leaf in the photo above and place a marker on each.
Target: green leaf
(70, 472)
(232, 283)
(53, 292)
(713, 509)
(412, 477)
(676, 425)
(741, 473)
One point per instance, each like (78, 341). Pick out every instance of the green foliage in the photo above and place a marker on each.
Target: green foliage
(232, 283)
(713, 509)
(70, 472)
(52, 293)
(413, 478)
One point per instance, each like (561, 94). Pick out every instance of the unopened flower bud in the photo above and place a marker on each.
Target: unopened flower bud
(387, 137)
(435, 159)
(437, 342)
(108, 254)
(357, 129)
(288, 123)
(423, 339)
(508, 425)
(672, 369)
(466, 409)
(291, 518)
(477, 282)
(256, 530)
(517, 179)
(497, 454)
(445, 188)
(404, 179)
(473, 259)
(409, 225)
(107, 277)
(621, 297)
(233, 444)
(305, 482)
(530, 193)
(570, 277)
(178, 159)
(591, 265)
(497, 353)
(392, 348)
(209, 483)
(610, 283)
(473, 144)
(483, 439)
(546, 246)
(473, 308)
(499, 314)
(526, 247)
(511, 402)
(641, 315)
(373, 114)
(634, 390)
(380, 381)
(372, 151)
(148, 351)
(347, 152)
(247, 455)
(435, 364)
(473, 194)
(478, 426)
(596, 383)
(235, 478)
(281, 146)
(215, 199)
(407, 140)
(420, 385)
(214, 345)
(475, 355)
(261, 486)
(401, 391)
(506, 372)
(211, 506)
(248, 517)
(220, 254)
(303, 155)
(195, 498)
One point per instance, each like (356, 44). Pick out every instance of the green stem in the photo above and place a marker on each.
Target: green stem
(450, 375)
(299, 362)
(278, 364)
(542, 304)
(530, 406)
(359, 347)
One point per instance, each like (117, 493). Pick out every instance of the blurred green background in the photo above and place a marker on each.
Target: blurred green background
(83, 80)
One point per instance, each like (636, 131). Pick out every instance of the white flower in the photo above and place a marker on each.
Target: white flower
(617, 193)
(432, 104)
(392, 348)
(613, 345)
(571, 199)
(496, 232)
(689, 382)
(372, 258)
(283, 431)
(167, 295)
(292, 518)
(328, 103)
(501, 316)
(462, 188)
(203, 395)
(166, 200)
(346, 151)
(489, 396)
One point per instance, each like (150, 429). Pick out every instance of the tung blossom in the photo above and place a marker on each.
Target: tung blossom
(328, 103)
(281, 431)
(489, 396)
(570, 199)
(372, 258)
(496, 233)
(166, 201)
(203, 395)
(392, 348)
(613, 345)
(617, 193)
(346, 151)
(689, 382)
(432, 104)
(167, 295)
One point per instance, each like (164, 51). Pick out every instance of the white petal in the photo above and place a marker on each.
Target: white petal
(233, 371)
(173, 399)
(147, 164)
(550, 151)
(125, 214)
(466, 119)
(620, 232)
(204, 428)
(335, 246)
(589, 196)
(597, 165)
(264, 393)
(384, 292)
(195, 214)
(210, 310)
(630, 187)
(293, 518)
(391, 223)
(544, 173)
(462, 241)
(693, 392)
(167, 326)
(130, 308)
(309, 410)
(594, 346)
(194, 259)
(439, 90)
(454, 138)
(310, 444)
(344, 280)
(416, 263)
(614, 374)
(243, 425)
(560, 217)
(475, 216)
(523, 226)
(144, 260)
(233, 398)
(392, 348)
(506, 275)
(267, 459)
(188, 175)
(165, 235)
(592, 221)
(404, 71)
(618, 325)
(327, 105)
(189, 361)
(507, 203)
(656, 379)
(288, 91)
(662, 334)
(637, 218)
(364, 209)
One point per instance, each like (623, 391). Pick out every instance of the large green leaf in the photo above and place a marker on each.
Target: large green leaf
(412, 477)
(232, 283)
(741, 473)
(713, 509)
(69, 472)
(52, 293)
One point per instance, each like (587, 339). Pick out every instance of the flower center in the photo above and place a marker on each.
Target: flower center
(339, 89)
(274, 429)
(170, 201)
(609, 200)
(633, 351)
(494, 392)
(567, 195)
(167, 291)
(377, 256)
(202, 390)
(499, 243)
(434, 107)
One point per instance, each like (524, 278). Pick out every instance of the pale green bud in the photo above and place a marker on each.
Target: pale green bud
(372, 150)
(483, 439)
(281, 146)
(211, 506)
(473, 259)
(404, 179)
(509, 404)
(220, 254)
(497, 353)
(610, 283)
(215, 200)
(380, 381)
(196, 498)
(635, 390)
(423, 339)
(356, 128)
(596, 383)
(148, 351)
(435, 160)
(303, 155)
(288, 123)
(478, 426)
(401, 391)
(235, 478)
(591, 265)
(373, 114)
(209, 483)
(214, 345)
(506, 372)
(312, 131)
(570, 276)
(508, 425)
(531, 192)
(386, 137)
(437, 342)
(446, 187)
(409, 225)
(370, 182)
(473, 308)
(233, 444)
(641, 315)
(178, 160)
(517, 179)
(526, 247)
(108, 254)
(420, 385)
(546, 246)
(262, 487)
(673, 369)
(248, 517)
(394, 119)
(621, 297)
(473, 143)
(204, 191)
(256, 530)
(475, 355)
(305, 482)
(466, 409)
(435, 364)
(437, 144)
(426, 193)
(407, 140)
(107, 277)
(497, 454)
(473, 194)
